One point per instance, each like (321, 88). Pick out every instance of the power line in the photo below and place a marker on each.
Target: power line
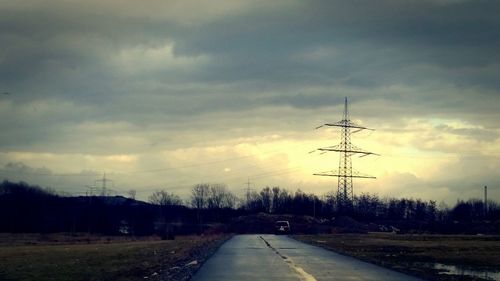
(232, 178)
(176, 185)
(199, 164)
(194, 165)
(46, 174)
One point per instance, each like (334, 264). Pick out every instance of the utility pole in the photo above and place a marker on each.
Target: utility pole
(314, 206)
(485, 201)
(346, 149)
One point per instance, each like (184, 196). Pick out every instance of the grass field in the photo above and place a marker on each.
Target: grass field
(60, 257)
(433, 257)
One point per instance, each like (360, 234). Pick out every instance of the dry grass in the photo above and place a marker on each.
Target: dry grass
(409, 253)
(18, 239)
(113, 259)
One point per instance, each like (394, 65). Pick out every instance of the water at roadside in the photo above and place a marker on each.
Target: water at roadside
(485, 273)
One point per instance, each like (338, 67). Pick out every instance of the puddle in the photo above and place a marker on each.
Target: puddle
(488, 274)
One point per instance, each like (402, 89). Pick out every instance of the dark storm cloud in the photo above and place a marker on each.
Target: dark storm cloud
(462, 34)
(304, 55)
(64, 49)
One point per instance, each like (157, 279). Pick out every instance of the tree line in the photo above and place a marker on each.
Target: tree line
(365, 207)
(27, 208)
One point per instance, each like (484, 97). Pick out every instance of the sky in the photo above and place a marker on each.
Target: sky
(168, 94)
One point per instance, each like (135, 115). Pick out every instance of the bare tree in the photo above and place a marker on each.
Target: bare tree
(219, 197)
(132, 193)
(199, 196)
(266, 198)
(230, 200)
(216, 194)
(164, 198)
(281, 200)
(254, 203)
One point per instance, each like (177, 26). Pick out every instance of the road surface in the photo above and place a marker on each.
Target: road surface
(270, 257)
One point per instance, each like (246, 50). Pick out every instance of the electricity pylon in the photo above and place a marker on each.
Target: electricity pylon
(346, 149)
(248, 193)
(104, 180)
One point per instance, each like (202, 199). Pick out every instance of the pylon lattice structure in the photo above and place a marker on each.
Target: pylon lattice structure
(346, 149)
(248, 191)
(104, 181)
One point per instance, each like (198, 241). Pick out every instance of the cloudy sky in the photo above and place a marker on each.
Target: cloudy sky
(167, 94)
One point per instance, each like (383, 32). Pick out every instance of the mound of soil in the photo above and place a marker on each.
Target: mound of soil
(264, 223)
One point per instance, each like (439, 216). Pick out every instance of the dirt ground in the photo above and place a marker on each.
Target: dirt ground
(432, 257)
(83, 257)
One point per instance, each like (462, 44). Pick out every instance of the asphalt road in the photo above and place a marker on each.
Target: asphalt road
(270, 257)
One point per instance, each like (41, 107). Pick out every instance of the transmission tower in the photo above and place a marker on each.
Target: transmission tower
(346, 149)
(248, 192)
(103, 181)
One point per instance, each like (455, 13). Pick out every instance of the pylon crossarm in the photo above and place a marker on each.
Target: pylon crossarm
(319, 127)
(347, 176)
(346, 125)
(344, 150)
(350, 123)
(338, 146)
(371, 153)
(328, 147)
(362, 175)
(366, 153)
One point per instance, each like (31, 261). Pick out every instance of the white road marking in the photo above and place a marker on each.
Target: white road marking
(303, 275)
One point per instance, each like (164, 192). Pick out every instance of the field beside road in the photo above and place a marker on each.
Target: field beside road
(60, 257)
(432, 257)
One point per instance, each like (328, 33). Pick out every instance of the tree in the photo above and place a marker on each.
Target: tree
(199, 196)
(229, 200)
(303, 204)
(219, 197)
(132, 193)
(254, 203)
(216, 196)
(164, 198)
(367, 206)
(282, 201)
(330, 199)
(266, 198)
